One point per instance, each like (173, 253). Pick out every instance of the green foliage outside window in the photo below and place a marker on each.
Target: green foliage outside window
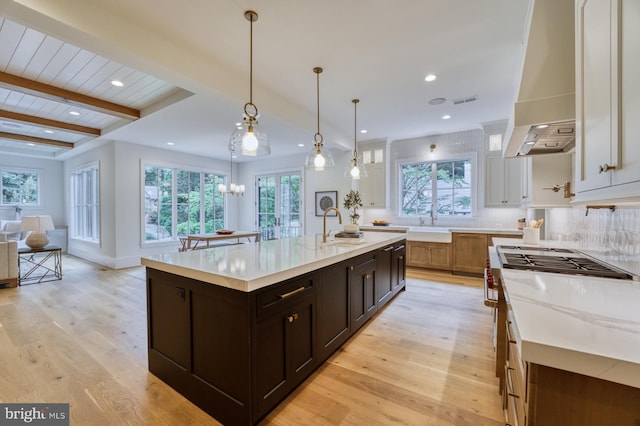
(199, 206)
(442, 187)
(20, 188)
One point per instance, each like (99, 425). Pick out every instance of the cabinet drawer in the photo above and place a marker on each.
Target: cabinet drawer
(514, 404)
(282, 295)
(516, 364)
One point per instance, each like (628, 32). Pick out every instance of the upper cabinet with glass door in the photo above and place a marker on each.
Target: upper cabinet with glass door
(373, 187)
(607, 100)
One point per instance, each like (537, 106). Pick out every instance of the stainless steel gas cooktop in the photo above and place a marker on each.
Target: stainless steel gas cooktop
(558, 260)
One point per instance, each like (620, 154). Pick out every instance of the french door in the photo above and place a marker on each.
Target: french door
(279, 205)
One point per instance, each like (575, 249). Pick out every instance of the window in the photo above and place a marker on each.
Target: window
(442, 187)
(20, 187)
(181, 202)
(85, 202)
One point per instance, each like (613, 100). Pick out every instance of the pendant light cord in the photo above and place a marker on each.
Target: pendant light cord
(318, 100)
(251, 60)
(355, 127)
(317, 138)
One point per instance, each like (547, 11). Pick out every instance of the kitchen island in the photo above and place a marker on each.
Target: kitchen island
(236, 328)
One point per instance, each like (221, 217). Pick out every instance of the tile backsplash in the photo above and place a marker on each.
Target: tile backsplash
(600, 229)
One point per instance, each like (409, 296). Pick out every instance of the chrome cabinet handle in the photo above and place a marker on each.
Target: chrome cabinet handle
(292, 317)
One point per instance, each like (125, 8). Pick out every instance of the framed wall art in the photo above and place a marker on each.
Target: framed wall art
(324, 200)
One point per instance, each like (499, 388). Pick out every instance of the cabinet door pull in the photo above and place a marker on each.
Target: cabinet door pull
(389, 248)
(292, 292)
(605, 168)
(292, 317)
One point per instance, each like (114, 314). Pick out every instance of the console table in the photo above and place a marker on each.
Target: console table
(40, 265)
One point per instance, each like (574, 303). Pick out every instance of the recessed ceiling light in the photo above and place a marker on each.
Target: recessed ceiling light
(49, 131)
(437, 101)
(117, 83)
(542, 126)
(74, 113)
(170, 143)
(430, 77)
(446, 117)
(300, 145)
(530, 142)
(363, 131)
(31, 144)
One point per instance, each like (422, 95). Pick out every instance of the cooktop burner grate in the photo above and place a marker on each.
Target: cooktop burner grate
(573, 265)
(538, 249)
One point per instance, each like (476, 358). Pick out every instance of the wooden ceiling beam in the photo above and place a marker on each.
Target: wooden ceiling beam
(45, 122)
(42, 90)
(34, 139)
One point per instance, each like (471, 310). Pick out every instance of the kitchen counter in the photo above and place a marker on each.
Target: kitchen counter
(426, 228)
(585, 325)
(248, 267)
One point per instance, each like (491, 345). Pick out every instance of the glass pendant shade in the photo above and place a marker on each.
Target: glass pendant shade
(248, 138)
(319, 157)
(355, 169)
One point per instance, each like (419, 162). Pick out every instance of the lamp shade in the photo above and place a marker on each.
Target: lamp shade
(38, 227)
(37, 223)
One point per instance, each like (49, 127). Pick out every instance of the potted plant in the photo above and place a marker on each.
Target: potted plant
(352, 202)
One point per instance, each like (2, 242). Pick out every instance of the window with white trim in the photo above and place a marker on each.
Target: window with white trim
(181, 202)
(20, 188)
(443, 187)
(85, 204)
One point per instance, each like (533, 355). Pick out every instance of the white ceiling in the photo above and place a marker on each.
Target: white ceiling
(376, 50)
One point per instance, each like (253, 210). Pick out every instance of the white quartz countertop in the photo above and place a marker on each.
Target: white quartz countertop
(586, 325)
(426, 228)
(251, 266)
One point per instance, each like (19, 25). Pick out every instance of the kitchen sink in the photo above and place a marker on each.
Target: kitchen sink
(429, 233)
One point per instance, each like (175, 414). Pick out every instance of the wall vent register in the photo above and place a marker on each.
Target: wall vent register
(558, 260)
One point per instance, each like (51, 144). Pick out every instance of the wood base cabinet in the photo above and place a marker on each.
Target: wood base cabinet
(429, 255)
(537, 395)
(236, 355)
(469, 253)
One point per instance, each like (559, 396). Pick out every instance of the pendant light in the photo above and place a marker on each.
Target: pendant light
(354, 169)
(319, 157)
(248, 138)
(234, 189)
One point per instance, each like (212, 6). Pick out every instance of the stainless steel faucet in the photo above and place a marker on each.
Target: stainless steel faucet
(434, 216)
(324, 221)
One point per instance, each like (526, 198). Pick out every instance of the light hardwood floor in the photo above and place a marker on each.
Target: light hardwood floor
(425, 359)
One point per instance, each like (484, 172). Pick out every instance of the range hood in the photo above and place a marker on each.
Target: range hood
(546, 95)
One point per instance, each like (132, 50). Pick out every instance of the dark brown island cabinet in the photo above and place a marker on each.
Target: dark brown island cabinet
(238, 354)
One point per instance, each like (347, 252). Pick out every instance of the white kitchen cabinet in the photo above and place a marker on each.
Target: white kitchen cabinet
(608, 100)
(542, 173)
(373, 187)
(503, 181)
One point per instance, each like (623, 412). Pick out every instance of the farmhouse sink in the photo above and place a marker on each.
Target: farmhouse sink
(429, 234)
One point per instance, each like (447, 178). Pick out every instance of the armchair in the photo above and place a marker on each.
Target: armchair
(9, 272)
(12, 230)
